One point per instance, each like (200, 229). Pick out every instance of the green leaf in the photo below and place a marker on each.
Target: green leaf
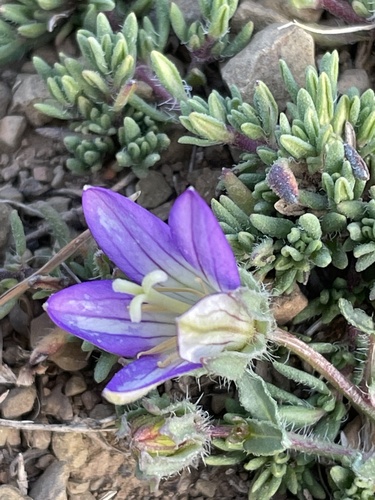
(356, 317)
(18, 233)
(168, 75)
(266, 439)
(255, 398)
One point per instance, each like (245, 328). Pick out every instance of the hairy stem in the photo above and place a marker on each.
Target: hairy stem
(325, 368)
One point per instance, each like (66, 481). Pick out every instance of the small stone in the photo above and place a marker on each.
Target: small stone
(5, 97)
(101, 411)
(38, 439)
(43, 174)
(59, 203)
(31, 188)
(30, 89)
(90, 399)
(259, 60)
(11, 129)
(58, 405)
(10, 173)
(353, 78)
(154, 190)
(10, 193)
(71, 448)
(75, 385)
(9, 436)
(206, 488)
(19, 401)
(52, 483)
(286, 307)
(78, 488)
(11, 493)
(58, 177)
(82, 496)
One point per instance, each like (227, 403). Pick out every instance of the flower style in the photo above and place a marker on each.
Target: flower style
(183, 305)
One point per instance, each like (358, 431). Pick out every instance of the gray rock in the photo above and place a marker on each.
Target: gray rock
(11, 172)
(154, 190)
(52, 483)
(43, 173)
(59, 203)
(10, 193)
(12, 128)
(30, 89)
(19, 401)
(5, 97)
(260, 61)
(260, 15)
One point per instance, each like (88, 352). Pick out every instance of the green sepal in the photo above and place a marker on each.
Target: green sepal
(301, 377)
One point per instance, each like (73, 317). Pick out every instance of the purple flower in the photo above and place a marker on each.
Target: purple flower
(183, 303)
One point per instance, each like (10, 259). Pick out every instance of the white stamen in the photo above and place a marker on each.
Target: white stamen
(135, 308)
(123, 286)
(153, 278)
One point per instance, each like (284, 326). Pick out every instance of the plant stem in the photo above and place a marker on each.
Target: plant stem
(321, 448)
(325, 368)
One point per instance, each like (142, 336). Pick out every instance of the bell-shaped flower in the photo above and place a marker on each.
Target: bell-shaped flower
(183, 303)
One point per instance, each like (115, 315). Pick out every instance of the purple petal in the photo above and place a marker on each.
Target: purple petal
(141, 376)
(133, 238)
(94, 312)
(202, 242)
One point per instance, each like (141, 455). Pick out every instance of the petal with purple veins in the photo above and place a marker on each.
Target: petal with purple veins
(94, 312)
(137, 241)
(141, 376)
(201, 241)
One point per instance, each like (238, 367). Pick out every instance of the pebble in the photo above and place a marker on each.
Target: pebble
(9, 436)
(90, 399)
(78, 488)
(38, 439)
(71, 447)
(12, 493)
(19, 401)
(11, 172)
(59, 203)
(11, 129)
(101, 411)
(206, 488)
(43, 173)
(75, 385)
(353, 78)
(259, 60)
(5, 97)
(154, 190)
(58, 405)
(52, 483)
(29, 90)
(286, 307)
(8, 192)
